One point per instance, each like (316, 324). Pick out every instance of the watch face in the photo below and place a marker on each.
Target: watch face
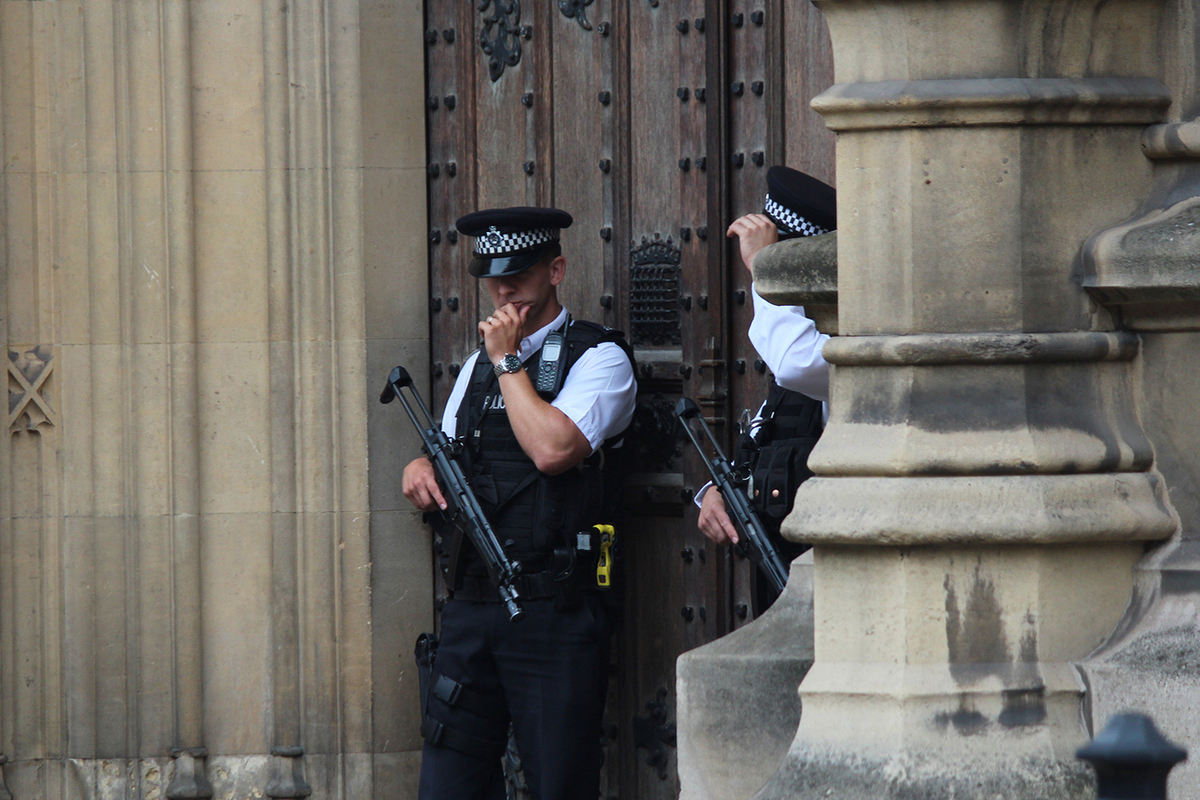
(509, 363)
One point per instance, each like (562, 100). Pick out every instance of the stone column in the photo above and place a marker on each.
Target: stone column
(983, 489)
(1144, 270)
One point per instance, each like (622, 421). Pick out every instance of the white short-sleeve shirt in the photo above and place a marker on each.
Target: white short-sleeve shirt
(598, 394)
(790, 345)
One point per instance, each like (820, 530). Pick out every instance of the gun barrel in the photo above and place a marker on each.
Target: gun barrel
(466, 505)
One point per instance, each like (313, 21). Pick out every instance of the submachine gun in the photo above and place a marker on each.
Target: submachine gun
(465, 512)
(731, 482)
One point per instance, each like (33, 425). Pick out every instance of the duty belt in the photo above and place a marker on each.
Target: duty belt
(534, 586)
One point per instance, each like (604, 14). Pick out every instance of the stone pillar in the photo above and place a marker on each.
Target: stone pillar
(1144, 270)
(984, 487)
(736, 701)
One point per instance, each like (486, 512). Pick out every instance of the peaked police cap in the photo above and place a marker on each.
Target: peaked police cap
(511, 240)
(799, 204)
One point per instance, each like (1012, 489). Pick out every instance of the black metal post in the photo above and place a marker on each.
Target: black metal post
(1131, 759)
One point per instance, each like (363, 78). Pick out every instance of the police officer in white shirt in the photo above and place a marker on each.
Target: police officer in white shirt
(541, 410)
(792, 417)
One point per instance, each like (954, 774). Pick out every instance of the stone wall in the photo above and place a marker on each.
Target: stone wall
(211, 210)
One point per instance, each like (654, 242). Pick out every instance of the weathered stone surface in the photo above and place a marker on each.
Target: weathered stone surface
(987, 701)
(213, 212)
(798, 272)
(984, 484)
(1151, 664)
(1144, 268)
(737, 698)
(841, 776)
(801, 272)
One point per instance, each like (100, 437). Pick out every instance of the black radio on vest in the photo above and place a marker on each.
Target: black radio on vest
(548, 380)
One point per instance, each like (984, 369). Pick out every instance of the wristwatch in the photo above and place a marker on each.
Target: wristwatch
(510, 363)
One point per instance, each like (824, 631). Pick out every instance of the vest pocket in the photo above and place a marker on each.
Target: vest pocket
(781, 467)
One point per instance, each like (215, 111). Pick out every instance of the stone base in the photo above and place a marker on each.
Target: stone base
(359, 775)
(845, 776)
(738, 704)
(1152, 665)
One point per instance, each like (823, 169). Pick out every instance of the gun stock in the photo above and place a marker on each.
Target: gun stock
(465, 510)
(731, 486)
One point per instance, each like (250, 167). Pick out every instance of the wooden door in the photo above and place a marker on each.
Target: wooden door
(651, 122)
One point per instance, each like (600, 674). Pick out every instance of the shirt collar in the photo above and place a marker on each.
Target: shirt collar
(531, 343)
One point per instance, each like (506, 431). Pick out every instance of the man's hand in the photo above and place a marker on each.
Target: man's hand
(421, 487)
(714, 521)
(754, 232)
(502, 331)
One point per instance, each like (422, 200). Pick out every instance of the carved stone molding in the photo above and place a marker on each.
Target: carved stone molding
(1144, 268)
(190, 781)
(993, 101)
(5, 794)
(287, 773)
(29, 373)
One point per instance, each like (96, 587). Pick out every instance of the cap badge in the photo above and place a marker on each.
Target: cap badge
(493, 236)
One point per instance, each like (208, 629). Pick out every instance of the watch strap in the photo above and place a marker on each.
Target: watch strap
(509, 363)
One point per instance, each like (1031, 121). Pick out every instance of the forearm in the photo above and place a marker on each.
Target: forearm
(548, 436)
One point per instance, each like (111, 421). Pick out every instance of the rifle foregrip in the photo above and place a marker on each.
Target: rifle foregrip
(759, 543)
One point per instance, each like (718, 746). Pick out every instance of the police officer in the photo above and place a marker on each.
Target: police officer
(540, 408)
(792, 418)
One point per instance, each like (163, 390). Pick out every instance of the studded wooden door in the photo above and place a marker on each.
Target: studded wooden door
(652, 122)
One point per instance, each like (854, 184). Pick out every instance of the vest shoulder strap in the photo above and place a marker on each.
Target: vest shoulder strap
(585, 335)
(582, 335)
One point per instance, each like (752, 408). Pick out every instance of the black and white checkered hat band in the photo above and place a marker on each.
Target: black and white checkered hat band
(494, 243)
(791, 220)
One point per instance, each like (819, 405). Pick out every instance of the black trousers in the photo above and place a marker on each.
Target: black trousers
(551, 669)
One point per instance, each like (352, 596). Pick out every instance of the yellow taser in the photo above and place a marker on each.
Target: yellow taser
(607, 537)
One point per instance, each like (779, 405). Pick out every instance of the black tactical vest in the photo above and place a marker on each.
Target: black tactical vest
(777, 451)
(533, 513)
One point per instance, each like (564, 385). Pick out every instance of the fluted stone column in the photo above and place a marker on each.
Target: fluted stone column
(212, 219)
(984, 487)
